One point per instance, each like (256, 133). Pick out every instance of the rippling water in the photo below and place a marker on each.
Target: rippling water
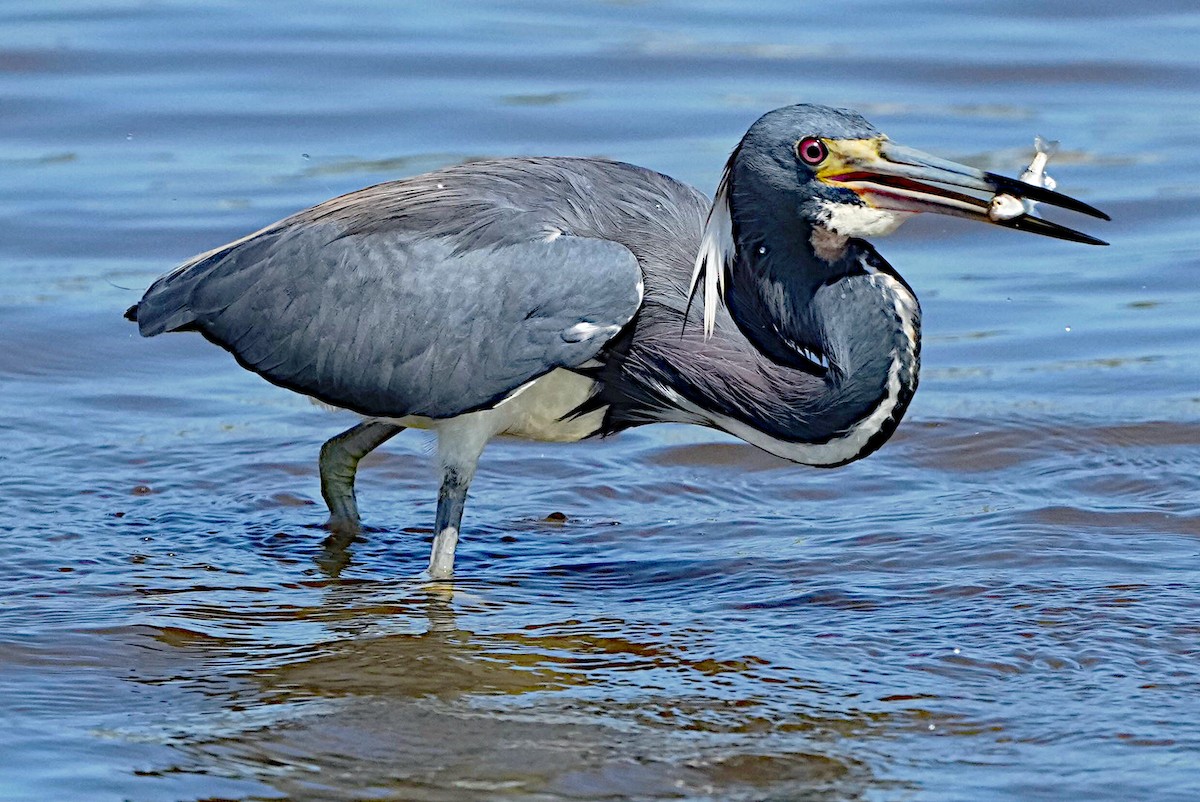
(1001, 604)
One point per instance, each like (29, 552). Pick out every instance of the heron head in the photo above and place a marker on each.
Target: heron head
(822, 175)
(780, 174)
(847, 177)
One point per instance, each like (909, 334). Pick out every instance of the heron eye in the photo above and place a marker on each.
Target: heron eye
(811, 150)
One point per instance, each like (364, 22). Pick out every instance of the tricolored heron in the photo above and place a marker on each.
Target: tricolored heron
(551, 298)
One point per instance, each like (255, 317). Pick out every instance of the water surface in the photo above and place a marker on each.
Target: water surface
(1001, 604)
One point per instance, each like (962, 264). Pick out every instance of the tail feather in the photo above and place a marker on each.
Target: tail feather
(169, 304)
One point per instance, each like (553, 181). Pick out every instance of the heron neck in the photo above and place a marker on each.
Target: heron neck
(851, 323)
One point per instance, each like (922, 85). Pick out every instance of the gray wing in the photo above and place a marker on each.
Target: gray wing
(383, 318)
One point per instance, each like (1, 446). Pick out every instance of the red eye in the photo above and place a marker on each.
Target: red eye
(811, 150)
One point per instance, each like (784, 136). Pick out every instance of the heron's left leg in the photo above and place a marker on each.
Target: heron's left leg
(460, 442)
(339, 464)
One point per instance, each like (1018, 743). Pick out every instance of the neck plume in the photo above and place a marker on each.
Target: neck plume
(716, 252)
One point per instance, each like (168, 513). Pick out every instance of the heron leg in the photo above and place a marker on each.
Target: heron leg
(339, 464)
(460, 442)
(452, 497)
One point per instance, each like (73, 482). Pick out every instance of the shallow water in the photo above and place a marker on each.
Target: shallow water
(1001, 604)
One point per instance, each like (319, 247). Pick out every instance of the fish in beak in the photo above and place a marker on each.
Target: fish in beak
(895, 178)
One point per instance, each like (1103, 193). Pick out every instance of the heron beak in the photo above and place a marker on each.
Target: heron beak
(890, 176)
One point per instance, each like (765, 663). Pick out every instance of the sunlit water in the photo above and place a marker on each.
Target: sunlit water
(1001, 604)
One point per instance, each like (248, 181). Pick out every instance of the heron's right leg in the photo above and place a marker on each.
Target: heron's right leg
(339, 463)
(460, 443)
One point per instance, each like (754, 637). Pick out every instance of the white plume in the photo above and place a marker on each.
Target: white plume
(716, 250)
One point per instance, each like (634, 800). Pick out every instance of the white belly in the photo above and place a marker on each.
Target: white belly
(534, 412)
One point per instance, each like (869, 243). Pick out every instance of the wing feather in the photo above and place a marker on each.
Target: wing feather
(389, 321)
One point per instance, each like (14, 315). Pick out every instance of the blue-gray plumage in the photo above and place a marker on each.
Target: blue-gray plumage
(552, 298)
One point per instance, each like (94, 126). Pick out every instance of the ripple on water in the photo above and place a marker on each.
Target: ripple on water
(999, 605)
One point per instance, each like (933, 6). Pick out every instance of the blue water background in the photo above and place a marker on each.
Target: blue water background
(1001, 604)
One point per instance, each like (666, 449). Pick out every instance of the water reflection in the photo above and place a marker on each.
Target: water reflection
(443, 660)
(440, 712)
(335, 552)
